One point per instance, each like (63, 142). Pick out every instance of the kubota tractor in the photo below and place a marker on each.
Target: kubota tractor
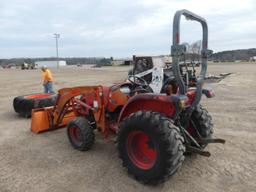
(154, 130)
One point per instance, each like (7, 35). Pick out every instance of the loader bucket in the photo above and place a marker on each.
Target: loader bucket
(40, 119)
(67, 117)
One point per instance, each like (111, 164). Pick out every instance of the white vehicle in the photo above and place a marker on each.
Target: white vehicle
(157, 72)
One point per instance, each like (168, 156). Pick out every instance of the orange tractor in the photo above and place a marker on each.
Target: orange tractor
(154, 130)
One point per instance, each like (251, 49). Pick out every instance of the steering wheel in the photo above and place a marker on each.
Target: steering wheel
(135, 80)
(141, 84)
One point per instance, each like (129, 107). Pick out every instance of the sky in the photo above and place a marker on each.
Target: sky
(119, 28)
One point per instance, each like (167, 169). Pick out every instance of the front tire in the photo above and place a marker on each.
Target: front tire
(150, 146)
(80, 134)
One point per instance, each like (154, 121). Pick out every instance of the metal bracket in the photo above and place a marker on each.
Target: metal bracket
(211, 140)
(206, 53)
(198, 151)
(178, 50)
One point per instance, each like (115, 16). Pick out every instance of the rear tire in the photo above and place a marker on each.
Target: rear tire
(23, 105)
(202, 120)
(150, 146)
(80, 134)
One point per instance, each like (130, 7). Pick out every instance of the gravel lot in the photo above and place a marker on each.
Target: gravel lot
(47, 162)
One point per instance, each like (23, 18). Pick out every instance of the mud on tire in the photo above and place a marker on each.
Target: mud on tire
(150, 146)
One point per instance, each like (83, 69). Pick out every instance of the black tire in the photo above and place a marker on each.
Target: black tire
(203, 122)
(80, 134)
(163, 137)
(23, 105)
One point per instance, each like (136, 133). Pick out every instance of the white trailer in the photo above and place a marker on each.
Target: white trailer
(50, 64)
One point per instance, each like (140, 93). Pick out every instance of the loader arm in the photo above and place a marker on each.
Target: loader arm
(62, 112)
(67, 94)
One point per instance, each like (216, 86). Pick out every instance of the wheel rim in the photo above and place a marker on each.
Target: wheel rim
(141, 149)
(38, 96)
(191, 129)
(75, 135)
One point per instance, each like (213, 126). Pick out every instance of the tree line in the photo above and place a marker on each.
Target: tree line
(234, 55)
(69, 60)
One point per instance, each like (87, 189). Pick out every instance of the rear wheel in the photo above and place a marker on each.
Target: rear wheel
(150, 146)
(201, 124)
(80, 134)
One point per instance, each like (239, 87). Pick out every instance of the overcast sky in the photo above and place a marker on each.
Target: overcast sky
(119, 28)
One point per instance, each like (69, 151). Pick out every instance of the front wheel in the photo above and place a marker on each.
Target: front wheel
(80, 134)
(150, 146)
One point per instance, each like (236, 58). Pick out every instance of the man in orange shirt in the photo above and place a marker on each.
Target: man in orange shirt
(47, 80)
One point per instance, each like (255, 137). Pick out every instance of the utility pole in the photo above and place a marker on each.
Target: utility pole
(57, 36)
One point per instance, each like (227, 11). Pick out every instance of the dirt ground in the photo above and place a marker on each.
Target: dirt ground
(47, 162)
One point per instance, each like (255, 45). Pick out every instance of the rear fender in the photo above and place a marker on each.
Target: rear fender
(168, 105)
(191, 94)
(209, 93)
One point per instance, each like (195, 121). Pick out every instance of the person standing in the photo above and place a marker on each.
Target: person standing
(47, 80)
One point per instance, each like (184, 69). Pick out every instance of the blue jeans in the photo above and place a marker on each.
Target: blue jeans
(48, 88)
